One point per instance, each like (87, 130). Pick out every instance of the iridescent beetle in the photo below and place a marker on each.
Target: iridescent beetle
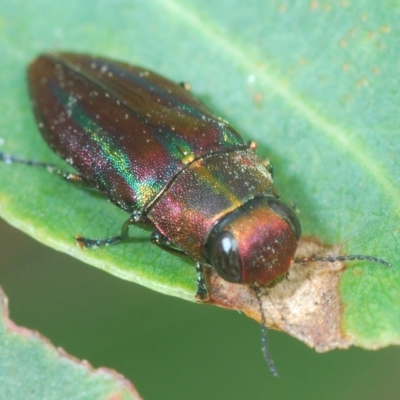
(159, 154)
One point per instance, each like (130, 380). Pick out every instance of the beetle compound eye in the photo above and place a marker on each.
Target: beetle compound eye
(287, 214)
(224, 257)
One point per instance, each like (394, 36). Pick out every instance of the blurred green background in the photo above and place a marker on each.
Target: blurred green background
(343, 58)
(170, 348)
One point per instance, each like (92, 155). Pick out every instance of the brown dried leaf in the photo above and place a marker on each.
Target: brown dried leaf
(306, 305)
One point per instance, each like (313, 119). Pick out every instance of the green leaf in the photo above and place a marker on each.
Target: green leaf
(314, 84)
(31, 367)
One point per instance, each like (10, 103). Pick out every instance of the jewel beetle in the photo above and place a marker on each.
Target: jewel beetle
(155, 151)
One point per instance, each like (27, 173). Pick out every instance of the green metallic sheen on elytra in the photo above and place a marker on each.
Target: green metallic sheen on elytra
(124, 128)
(118, 160)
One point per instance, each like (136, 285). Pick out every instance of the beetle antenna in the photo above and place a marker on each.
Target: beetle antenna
(264, 338)
(350, 257)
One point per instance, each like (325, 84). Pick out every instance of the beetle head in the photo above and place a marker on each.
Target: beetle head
(255, 243)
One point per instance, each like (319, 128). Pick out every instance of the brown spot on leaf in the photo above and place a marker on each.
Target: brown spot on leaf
(361, 82)
(345, 67)
(376, 71)
(306, 305)
(258, 97)
(282, 7)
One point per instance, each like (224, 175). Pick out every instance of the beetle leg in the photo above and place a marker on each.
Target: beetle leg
(185, 85)
(252, 145)
(201, 291)
(95, 243)
(68, 176)
(162, 242)
(269, 167)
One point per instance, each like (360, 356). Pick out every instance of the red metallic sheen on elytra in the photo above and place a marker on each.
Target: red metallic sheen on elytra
(89, 108)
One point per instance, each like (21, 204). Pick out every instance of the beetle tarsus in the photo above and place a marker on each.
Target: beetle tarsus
(85, 243)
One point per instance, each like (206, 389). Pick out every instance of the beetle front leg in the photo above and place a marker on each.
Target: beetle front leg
(95, 243)
(201, 291)
(163, 242)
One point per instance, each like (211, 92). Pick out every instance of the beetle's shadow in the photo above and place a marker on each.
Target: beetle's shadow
(136, 240)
